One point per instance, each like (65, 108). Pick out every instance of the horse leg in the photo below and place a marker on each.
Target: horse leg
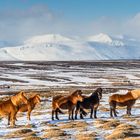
(91, 113)
(72, 114)
(56, 114)
(128, 110)
(95, 111)
(53, 114)
(114, 110)
(111, 112)
(28, 116)
(13, 117)
(9, 118)
(77, 110)
(81, 114)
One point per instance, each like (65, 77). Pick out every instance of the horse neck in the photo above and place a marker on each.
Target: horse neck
(33, 100)
(94, 95)
(73, 99)
(135, 94)
(15, 100)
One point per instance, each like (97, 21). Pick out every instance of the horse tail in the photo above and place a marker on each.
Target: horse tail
(117, 112)
(60, 111)
(83, 111)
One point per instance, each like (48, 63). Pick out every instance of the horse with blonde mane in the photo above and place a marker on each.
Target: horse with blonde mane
(66, 102)
(10, 107)
(32, 102)
(127, 99)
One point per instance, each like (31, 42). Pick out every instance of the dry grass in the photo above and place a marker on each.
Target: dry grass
(99, 122)
(73, 124)
(54, 132)
(104, 124)
(122, 131)
(132, 138)
(20, 133)
(109, 125)
(86, 136)
(103, 109)
(32, 138)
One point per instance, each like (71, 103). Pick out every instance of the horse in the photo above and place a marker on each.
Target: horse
(127, 99)
(32, 101)
(10, 107)
(89, 102)
(66, 102)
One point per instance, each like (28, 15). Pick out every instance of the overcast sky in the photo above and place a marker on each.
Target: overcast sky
(21, 19)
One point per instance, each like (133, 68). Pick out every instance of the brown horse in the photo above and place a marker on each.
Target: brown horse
(66, 102)
(10, 107)
(32, 101)
(127, 99)
(89, 102)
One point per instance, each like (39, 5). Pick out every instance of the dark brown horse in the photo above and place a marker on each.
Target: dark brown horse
(91, 102)
(127, 99)
(66, 102)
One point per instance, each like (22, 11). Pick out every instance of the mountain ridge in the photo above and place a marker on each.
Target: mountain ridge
(57, 47)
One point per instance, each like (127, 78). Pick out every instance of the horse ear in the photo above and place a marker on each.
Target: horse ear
(38, 96)
(22, 92)
(79, 92)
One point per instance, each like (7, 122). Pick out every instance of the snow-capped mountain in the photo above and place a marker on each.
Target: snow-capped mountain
(58, 47)
(106, 39)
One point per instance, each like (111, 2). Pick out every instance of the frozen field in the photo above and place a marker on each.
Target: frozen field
(53, 78)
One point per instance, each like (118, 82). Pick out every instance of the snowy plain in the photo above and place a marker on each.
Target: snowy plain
(61, 77)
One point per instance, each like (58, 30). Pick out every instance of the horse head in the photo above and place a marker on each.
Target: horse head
(78, 95)
(135, 93)
(37, 99)
(19, 99)
(98, 92)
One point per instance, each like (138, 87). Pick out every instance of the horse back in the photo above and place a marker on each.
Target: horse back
(89, 102)
(121, 98)
(6, 107)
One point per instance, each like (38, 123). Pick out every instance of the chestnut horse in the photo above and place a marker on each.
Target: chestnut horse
(10, 107)
(32, 101)
(127, 99)
(89, 102)
(66, 102)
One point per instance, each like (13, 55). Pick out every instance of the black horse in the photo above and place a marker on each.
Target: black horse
(92, 102)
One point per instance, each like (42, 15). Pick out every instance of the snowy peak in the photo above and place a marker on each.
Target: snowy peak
(49, 38)
(106, 39)
(102, 38)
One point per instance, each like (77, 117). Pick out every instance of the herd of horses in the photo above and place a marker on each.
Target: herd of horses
(76, 103)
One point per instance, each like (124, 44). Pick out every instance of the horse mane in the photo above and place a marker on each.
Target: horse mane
(15, 98)
(98, 90)
(75, 92)
(65, 99)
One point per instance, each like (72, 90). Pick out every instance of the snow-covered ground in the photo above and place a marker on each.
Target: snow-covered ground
(41, 122)
(45, 75)
(112, 76)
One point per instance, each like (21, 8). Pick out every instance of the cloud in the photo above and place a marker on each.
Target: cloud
(24, 23)
(20, 24)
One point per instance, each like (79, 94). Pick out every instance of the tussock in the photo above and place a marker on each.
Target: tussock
(54, 132)
(74, 124)
(20, 133)
(86, 136)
